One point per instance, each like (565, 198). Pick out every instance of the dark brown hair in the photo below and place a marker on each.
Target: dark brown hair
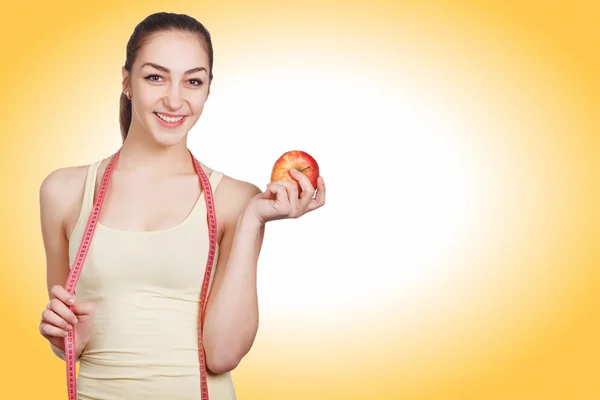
(152, 24)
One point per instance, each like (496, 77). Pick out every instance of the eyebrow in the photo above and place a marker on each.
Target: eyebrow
(165, 69)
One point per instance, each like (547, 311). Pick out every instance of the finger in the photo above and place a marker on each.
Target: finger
(61, 293)
(302, 180)
(292, 193)
(270, 192)
(281, 193)
(307, 188)
(319, 199)
(51, 318)
(49, 331)
(290, 187)
(281, 198)
(63, 311)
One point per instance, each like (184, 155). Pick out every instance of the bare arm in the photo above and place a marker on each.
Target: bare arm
(231, 320)
(52, 215)
(59, 193)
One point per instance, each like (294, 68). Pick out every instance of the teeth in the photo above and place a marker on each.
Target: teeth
(169, 119)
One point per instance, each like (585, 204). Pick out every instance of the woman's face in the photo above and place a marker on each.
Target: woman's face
(169, 78)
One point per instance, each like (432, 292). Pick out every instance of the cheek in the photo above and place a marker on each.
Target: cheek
(147, 99)
(198, 105)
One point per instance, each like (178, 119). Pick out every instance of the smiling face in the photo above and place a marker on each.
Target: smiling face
(169, 80)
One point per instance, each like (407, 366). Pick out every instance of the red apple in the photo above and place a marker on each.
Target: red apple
(299, 160)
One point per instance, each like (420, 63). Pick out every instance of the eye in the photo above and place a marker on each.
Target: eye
(152, 76)
(197, 82)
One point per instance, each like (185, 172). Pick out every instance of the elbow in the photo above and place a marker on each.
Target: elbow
(221, 362)
(225, 354)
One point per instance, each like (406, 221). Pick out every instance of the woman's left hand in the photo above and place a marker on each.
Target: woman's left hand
(281, 198)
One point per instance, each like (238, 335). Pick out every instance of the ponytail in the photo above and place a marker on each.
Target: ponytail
(124, 115)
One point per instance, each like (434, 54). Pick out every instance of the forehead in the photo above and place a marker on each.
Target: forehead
(178, 51)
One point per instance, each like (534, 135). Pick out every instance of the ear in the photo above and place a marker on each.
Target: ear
(125, 75)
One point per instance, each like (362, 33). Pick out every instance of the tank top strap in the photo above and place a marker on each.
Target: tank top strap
(90, 188)
(215, 179)
(199, 209)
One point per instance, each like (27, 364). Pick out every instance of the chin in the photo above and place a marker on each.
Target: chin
(166, 139)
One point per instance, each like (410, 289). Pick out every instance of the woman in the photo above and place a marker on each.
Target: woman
(135, 313)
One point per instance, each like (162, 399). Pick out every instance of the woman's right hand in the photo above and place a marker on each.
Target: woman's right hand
(57, 319)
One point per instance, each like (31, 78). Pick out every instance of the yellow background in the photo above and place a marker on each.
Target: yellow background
(529, 72)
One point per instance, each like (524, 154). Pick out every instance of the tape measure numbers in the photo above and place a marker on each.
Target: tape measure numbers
(70, 347)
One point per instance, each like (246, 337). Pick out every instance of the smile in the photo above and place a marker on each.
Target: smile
(169, 122)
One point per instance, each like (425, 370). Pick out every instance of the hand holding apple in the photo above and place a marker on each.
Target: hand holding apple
(290, 193)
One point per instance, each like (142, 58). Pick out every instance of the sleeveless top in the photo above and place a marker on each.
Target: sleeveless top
(145, 286)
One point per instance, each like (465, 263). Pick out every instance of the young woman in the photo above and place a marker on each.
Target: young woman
(135, 313)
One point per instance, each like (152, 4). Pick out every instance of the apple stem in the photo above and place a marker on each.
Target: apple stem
(302, 170)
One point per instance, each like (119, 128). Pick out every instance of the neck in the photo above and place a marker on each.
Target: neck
(141, 153)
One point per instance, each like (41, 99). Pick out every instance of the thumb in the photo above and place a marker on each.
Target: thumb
(83, 309)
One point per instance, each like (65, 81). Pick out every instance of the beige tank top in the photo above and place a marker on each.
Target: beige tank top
(146, 290)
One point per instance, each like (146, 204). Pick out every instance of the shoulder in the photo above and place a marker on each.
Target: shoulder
(60, 182)
(61, 190)
(234, 194)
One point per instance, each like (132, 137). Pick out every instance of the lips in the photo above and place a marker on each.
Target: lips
(169, 124)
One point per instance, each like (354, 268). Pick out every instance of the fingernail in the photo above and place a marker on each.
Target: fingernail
(71, 301)
(69, 327)
(74, 321)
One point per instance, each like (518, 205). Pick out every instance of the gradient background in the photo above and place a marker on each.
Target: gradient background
(457, 255)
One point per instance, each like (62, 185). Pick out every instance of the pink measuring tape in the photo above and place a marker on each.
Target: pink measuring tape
(70, 348)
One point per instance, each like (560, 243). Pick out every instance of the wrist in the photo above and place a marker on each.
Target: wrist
(248, 219)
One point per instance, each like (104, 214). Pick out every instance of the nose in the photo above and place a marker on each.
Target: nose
(174, 99)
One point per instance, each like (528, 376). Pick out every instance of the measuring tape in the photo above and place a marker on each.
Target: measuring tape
(70, 348)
